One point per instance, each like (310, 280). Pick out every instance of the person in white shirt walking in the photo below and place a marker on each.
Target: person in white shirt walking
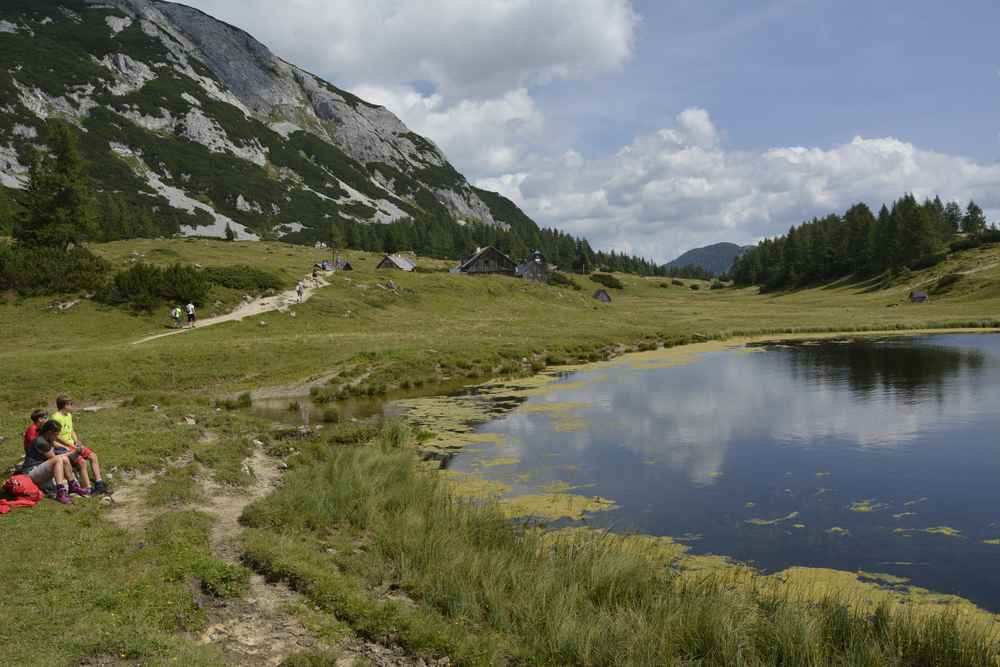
(191, 314)
(300, 290)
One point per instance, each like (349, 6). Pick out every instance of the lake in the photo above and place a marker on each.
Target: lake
(873, 455)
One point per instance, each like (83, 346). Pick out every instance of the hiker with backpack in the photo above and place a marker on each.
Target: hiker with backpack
(42, 464)
(175, 314)
(192, 318)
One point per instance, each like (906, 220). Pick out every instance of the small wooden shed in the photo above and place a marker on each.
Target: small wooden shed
(602, 296)
(534, 269)
(396, 263)
(487, 260)
(919, 296)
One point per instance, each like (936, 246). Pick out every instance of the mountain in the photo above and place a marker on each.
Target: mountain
(190, 125)
(717, 258)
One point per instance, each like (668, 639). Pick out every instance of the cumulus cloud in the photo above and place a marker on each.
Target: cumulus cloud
(480, 49)
(680, 187)
(485, 136)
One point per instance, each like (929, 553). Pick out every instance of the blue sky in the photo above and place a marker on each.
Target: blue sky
(653, 127)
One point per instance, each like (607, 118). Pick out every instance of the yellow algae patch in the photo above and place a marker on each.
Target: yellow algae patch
(772, 522)
(800, 526)
(881, 578)
(568, 423)
(562, 487)
(997, 541)
(472, 486)
(749, 505)
(823, 474)
(502, 461)
(716, 474)
(937, 530)
(866, 506)
(911, 503)
(553, 506)
(665, 552)
(837, 530)
(904, 515)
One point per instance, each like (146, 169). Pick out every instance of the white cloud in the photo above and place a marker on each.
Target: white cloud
(480, 49)
(486, 136)
(679, 187)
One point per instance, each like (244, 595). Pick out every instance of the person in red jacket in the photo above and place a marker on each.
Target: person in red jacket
(38, 417)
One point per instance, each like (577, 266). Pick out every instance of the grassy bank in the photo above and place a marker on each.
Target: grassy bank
(471, 586)
(361, 531)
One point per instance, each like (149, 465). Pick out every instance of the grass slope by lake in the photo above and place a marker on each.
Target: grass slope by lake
(358, 529)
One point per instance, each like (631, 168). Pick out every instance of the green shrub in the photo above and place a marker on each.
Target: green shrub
(558, 279)
(717, 285)
(678, 283)
(928, 261)
(331, 416)
(947, 281)
(50, 270)
(607, 280)
(244, 278)
(695, 287)
(965, 244)
(144, 286)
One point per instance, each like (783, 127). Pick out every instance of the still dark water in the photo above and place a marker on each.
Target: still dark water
(907, 428)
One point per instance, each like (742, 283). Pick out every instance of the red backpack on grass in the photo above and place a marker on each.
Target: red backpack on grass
(25, 492)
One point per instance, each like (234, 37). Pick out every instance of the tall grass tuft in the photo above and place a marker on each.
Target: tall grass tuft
(552, 599)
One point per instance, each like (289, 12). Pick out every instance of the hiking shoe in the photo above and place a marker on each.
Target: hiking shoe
(62, 496)
(101, 487)
(76, 490)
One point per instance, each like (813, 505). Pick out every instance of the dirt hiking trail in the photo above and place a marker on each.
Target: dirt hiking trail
(280, 302)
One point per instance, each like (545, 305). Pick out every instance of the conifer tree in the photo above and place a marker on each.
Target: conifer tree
(974, 221)
(60, 208)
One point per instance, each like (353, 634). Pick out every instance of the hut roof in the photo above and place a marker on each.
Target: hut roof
(479, 253)
(398, 262)
(602, 295)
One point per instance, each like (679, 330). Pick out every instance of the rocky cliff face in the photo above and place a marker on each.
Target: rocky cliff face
(187, 114)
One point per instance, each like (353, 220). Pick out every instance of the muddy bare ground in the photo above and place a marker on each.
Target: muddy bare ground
(260, 628)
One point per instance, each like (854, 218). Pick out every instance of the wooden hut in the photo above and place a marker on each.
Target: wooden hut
(534, 269)
(486, 261)
(602, 296)
(919, 296)
(396, 263)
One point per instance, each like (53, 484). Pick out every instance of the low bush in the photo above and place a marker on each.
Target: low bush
(607, 280)
(51, 270)
(965, 244)
(144, 286)
(928, 261)
(678, 283)
(947, 281)
(717, 285)
(696, 287)
(244, 278)
(559, 279)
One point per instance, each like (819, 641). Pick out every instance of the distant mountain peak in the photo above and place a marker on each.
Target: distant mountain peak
(716, 258)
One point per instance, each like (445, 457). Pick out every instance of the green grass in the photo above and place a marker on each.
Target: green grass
(362, 524)
(490, 594)
(114, 596)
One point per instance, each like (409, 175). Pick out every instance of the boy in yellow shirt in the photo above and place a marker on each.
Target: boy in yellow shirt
(68, 442)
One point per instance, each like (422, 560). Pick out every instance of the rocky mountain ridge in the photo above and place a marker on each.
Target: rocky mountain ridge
(199, 123)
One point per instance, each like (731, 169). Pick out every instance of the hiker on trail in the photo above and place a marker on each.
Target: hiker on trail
(42, 464)
(190, 313)
(70, 444)
(176, 315)
(300, 290)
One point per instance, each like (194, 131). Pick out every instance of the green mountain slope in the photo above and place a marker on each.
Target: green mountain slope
(191, 126)
(717, 258)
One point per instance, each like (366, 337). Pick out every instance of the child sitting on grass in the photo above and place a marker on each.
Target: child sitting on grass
(38, 417)
(43, 465)
(70, 443)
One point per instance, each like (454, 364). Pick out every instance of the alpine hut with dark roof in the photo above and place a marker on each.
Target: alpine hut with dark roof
(486, 261)
(396, 263)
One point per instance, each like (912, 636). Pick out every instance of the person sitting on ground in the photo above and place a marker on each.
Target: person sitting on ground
(69, 443)
(42, 464)
(38, 417)
(176, 315)
(190, 313)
